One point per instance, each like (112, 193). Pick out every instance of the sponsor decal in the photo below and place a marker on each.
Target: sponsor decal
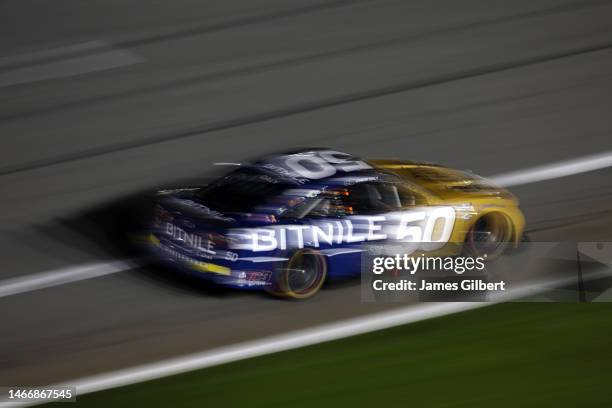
(302, 167)
(205, 246)
(425, 228)
(190, 239)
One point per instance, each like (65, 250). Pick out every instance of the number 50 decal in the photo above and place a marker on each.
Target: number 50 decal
(438, 228)
(323, 164)
(428, 227)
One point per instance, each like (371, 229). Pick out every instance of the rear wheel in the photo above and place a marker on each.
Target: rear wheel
(302, 276)
(490, 235)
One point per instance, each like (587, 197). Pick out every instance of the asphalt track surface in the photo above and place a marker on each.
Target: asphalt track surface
(160, 91)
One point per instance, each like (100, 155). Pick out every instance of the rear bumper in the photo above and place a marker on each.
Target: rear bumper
(240, 275)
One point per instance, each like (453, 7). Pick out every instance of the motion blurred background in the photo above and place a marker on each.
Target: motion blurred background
(102, 99)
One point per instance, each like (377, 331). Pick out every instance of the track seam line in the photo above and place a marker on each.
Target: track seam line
(199, 30)
(304, 108)
(308, 58)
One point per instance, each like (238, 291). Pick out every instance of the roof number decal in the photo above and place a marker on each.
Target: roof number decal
(318, 165)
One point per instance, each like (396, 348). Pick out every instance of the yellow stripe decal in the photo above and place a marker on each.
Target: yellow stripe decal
(209, 267)
(154, 239)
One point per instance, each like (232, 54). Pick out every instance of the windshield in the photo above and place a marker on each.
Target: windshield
(240, 191)
(442, 175)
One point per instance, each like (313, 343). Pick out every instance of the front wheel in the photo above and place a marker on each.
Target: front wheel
(490, 235)
(302, 276)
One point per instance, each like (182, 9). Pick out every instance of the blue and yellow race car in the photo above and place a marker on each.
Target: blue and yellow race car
(287, 222)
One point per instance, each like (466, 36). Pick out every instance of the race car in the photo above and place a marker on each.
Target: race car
(287, 222)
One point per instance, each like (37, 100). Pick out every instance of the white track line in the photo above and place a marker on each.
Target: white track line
(554, 170)
(268, 345)
(293, 340)
(28, 283)
(260, 347)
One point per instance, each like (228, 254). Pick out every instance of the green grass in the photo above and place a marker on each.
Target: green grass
(511, 355)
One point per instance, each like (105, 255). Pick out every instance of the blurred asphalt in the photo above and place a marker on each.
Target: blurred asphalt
(161, 90)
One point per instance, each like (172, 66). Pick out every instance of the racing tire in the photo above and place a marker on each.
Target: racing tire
(489, 236)
(301, 277)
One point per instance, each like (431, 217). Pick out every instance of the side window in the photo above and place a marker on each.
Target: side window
(361, 199)
(328, 204)
(322, 209)
(375, 198)
(409, 197)
(302, 209)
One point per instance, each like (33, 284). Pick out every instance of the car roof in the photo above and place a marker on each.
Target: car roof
(306, 166)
